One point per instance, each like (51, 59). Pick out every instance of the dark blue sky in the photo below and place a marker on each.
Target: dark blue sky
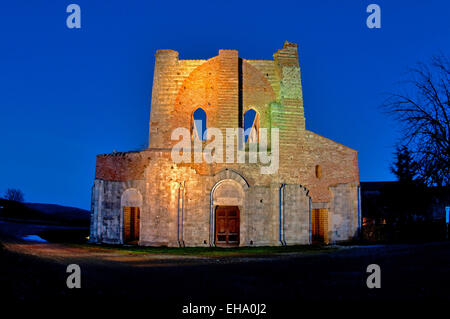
(67, 95)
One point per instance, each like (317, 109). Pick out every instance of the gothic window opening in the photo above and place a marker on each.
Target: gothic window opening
(251, 126)
(199, 124)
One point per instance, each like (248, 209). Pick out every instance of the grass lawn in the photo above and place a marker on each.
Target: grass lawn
(210, 251)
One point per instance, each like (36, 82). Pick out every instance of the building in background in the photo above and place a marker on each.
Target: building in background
(403, 211)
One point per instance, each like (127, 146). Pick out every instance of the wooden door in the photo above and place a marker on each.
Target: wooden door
(227, 226)
(131, 224)
(319, 225)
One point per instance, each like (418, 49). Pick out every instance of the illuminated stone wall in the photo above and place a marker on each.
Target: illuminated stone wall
(179, 199)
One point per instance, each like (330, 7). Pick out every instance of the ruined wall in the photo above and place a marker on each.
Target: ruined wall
(178, 208)
(172, 191)
(169, 75)
(178, 203)
(272, 87)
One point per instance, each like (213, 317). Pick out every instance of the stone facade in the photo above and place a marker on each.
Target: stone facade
(177, 202)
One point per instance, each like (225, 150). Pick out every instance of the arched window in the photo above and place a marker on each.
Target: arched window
(251, 126)
(199, 124)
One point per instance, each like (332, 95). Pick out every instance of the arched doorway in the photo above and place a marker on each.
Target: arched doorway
(227, 218)
(227, 226)
(131, 203)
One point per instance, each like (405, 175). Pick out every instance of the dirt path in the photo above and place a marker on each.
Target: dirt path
(13, 234)
(37, 271)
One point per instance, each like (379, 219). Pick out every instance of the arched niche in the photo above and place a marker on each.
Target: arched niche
(131, 198)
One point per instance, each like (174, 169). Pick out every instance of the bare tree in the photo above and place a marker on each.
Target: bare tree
(424, 117)
(14, 194)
